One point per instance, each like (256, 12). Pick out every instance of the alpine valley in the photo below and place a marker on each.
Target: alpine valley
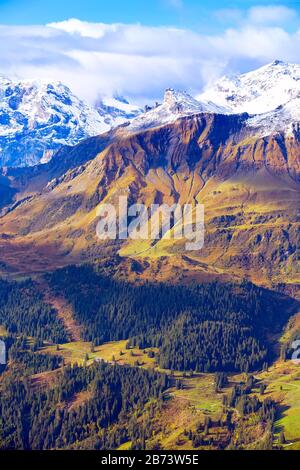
(199, 342)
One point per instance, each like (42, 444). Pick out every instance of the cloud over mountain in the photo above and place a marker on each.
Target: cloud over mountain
(140, 61)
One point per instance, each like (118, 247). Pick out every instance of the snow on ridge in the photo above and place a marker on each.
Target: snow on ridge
(270, 95)
(259, 91)
(37, 117)
(285, 118)
(176, 104)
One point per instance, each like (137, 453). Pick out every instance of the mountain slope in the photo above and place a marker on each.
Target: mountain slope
(37, 118)
(248, 184)
(24, 182)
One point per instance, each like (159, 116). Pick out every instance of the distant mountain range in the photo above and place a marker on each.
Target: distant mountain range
(37, 118)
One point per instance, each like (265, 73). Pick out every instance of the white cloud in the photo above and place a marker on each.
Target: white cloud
(139, 61)
(263, 44)
(271, 14)
(84, 28)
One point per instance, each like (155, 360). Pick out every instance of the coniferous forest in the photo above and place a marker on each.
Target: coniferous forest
(23, 311)
(44, 419)
(47, 403)
(205, 327)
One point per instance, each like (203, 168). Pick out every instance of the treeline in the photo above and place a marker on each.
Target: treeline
(206, 327)
(42, 419)
(23, 311)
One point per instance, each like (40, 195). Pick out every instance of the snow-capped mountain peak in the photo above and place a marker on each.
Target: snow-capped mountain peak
(182, 102)
(259, 91)
(176, 104)
(37, 117)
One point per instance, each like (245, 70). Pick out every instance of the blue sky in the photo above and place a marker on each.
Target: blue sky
(138, 48)
(195, 14)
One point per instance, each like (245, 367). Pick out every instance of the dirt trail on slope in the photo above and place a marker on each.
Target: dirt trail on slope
(44, 380)
(63, 308)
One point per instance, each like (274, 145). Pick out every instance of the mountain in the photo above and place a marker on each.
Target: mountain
(37, 118)
(138, 315)
(260, 91)
(176, 104)
(243, 167)
(248, 184)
